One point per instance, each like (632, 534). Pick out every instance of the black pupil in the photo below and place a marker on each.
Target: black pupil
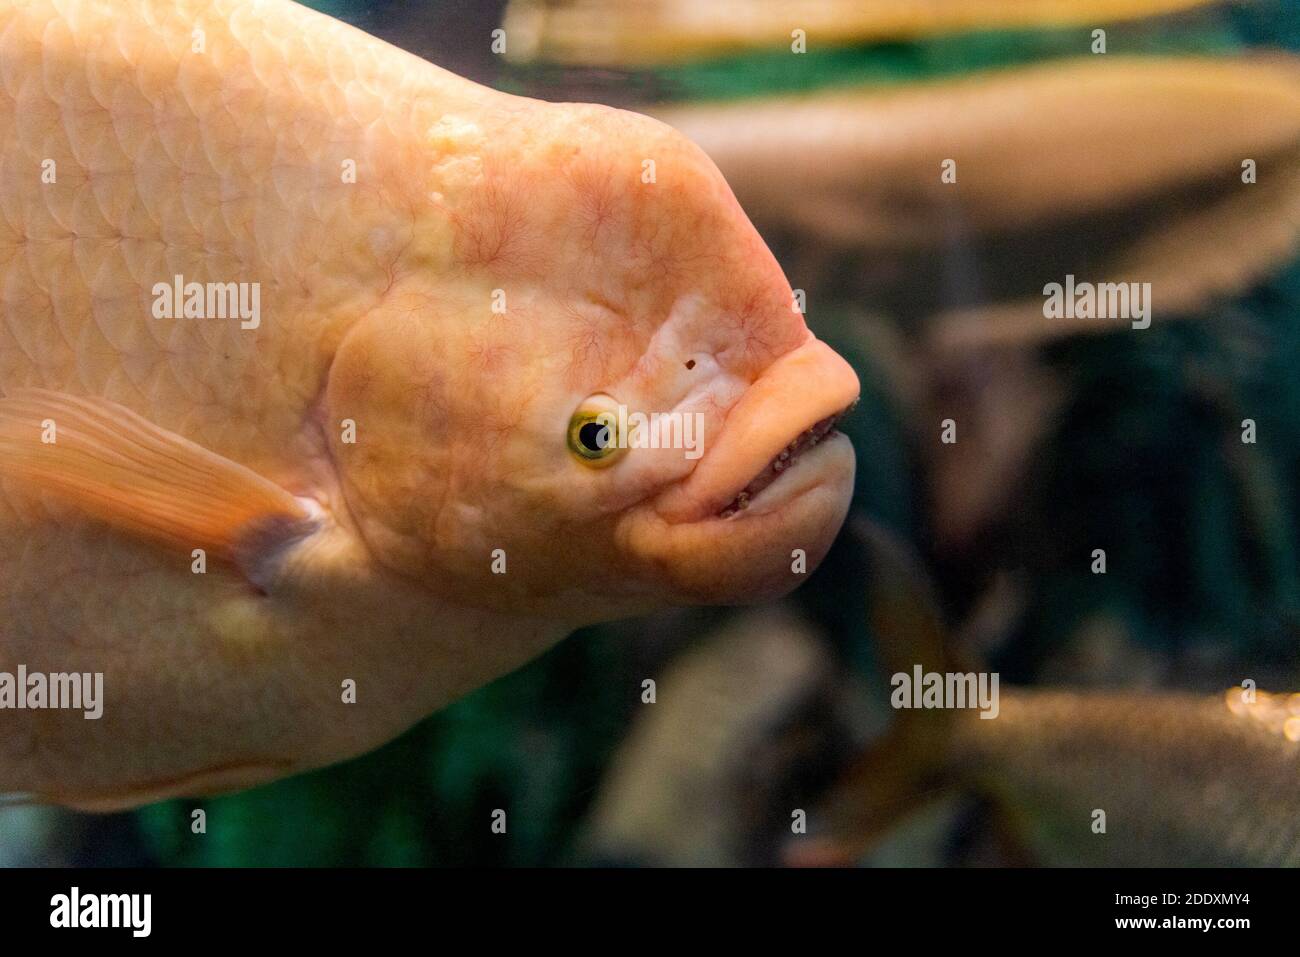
(593, 436)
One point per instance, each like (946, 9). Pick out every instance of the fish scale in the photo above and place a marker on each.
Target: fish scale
(223, 166)
(1183, 779)
(193, 167)
(236, 525)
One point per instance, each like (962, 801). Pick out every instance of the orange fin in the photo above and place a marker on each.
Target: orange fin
(123, 470)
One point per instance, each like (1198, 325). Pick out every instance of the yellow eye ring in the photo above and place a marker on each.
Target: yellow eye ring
(593, 434)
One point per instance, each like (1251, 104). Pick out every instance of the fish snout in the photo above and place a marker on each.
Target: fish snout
(789, 409)
(769, 494)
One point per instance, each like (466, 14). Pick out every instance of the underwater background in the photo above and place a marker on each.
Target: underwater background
(1105, 437)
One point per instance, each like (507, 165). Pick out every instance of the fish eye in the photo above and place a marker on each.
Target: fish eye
(593, 432)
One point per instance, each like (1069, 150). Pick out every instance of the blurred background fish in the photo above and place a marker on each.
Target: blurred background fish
(1171, 158)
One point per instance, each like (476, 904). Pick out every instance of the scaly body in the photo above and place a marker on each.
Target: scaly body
(1183, 779)
(220, 165)
(383, 207)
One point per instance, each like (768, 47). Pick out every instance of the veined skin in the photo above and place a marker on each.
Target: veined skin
(446, 274)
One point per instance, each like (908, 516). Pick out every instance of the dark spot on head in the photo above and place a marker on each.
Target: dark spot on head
(690, 363)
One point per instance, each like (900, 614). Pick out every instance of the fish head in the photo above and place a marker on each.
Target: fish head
(600, 395)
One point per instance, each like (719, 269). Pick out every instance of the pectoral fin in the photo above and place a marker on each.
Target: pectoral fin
(120, 468)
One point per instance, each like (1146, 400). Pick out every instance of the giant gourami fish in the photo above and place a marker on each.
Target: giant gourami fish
(285, 535)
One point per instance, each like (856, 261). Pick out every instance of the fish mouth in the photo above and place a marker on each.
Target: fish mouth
(774, 482)
(787, 458)
(778, 428)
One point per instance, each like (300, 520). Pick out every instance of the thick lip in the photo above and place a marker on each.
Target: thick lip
(785, 460)
(797, 397)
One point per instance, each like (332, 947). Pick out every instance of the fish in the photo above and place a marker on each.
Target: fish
(1117, 778)
(1042, 191)
(1122, 777)
(692, 784)
(1042, 185)
(313, 364)
(608, 33)
(1142, 779)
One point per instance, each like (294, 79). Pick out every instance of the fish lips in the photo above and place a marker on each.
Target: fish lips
(716, 544)
(799, 395)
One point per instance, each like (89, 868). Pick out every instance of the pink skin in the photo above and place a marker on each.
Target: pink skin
(658, 294)
(377, 298)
